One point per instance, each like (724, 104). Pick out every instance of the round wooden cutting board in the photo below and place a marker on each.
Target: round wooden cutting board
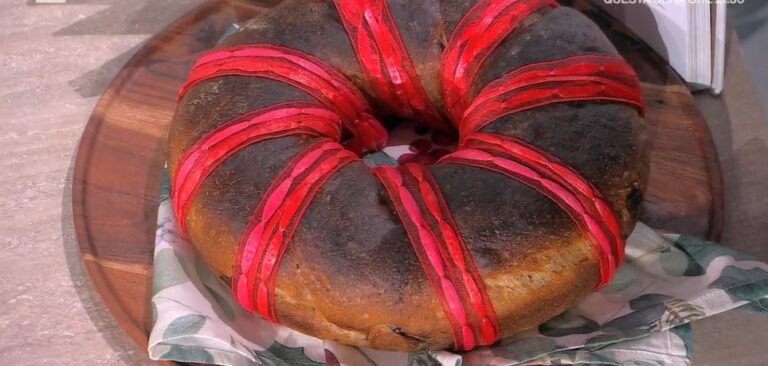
(123, 149)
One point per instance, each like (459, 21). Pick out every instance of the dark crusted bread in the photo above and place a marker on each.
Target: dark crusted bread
(350, 274)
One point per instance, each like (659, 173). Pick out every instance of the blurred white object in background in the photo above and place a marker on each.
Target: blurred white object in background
(689, 34)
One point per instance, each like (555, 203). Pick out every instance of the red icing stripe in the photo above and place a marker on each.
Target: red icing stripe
(456, 255)
(444, 258)
(476, 35)
(578, 78)
(300, 70)
(425, 245)
(588, 224)
(274, 222)
(552, 168)
(385, 61)
(292, 118)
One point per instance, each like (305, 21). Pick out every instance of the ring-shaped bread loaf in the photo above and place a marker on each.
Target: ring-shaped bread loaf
(527, 216)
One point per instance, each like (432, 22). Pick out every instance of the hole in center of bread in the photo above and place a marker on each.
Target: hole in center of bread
(411, 142)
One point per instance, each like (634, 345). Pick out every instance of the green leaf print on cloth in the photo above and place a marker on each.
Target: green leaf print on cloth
(568, 323)
(646, 311)
(184, 325)
(743, 284)
(289, 355)
(186, 354)
(641, 318)
(677, 262)
(171, 273)
(704, 252)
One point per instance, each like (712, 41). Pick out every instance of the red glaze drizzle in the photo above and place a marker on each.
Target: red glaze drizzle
(274, 222)
(577, 78)
(552, 168)
(589, 225)
(427, 246)
(385, 61)
(199, 160)
(477, 34)
(455, 253)
(305, 72)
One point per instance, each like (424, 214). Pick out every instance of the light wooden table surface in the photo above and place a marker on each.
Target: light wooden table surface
(54, 62)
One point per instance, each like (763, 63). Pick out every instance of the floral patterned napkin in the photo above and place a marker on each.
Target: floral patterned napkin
(641, 318)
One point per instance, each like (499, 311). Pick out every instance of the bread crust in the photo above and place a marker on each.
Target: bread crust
(349, 274)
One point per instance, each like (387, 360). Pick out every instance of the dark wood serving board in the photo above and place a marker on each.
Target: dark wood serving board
(121, 155)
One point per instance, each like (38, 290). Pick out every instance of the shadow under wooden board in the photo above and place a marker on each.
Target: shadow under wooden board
(123, 149)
